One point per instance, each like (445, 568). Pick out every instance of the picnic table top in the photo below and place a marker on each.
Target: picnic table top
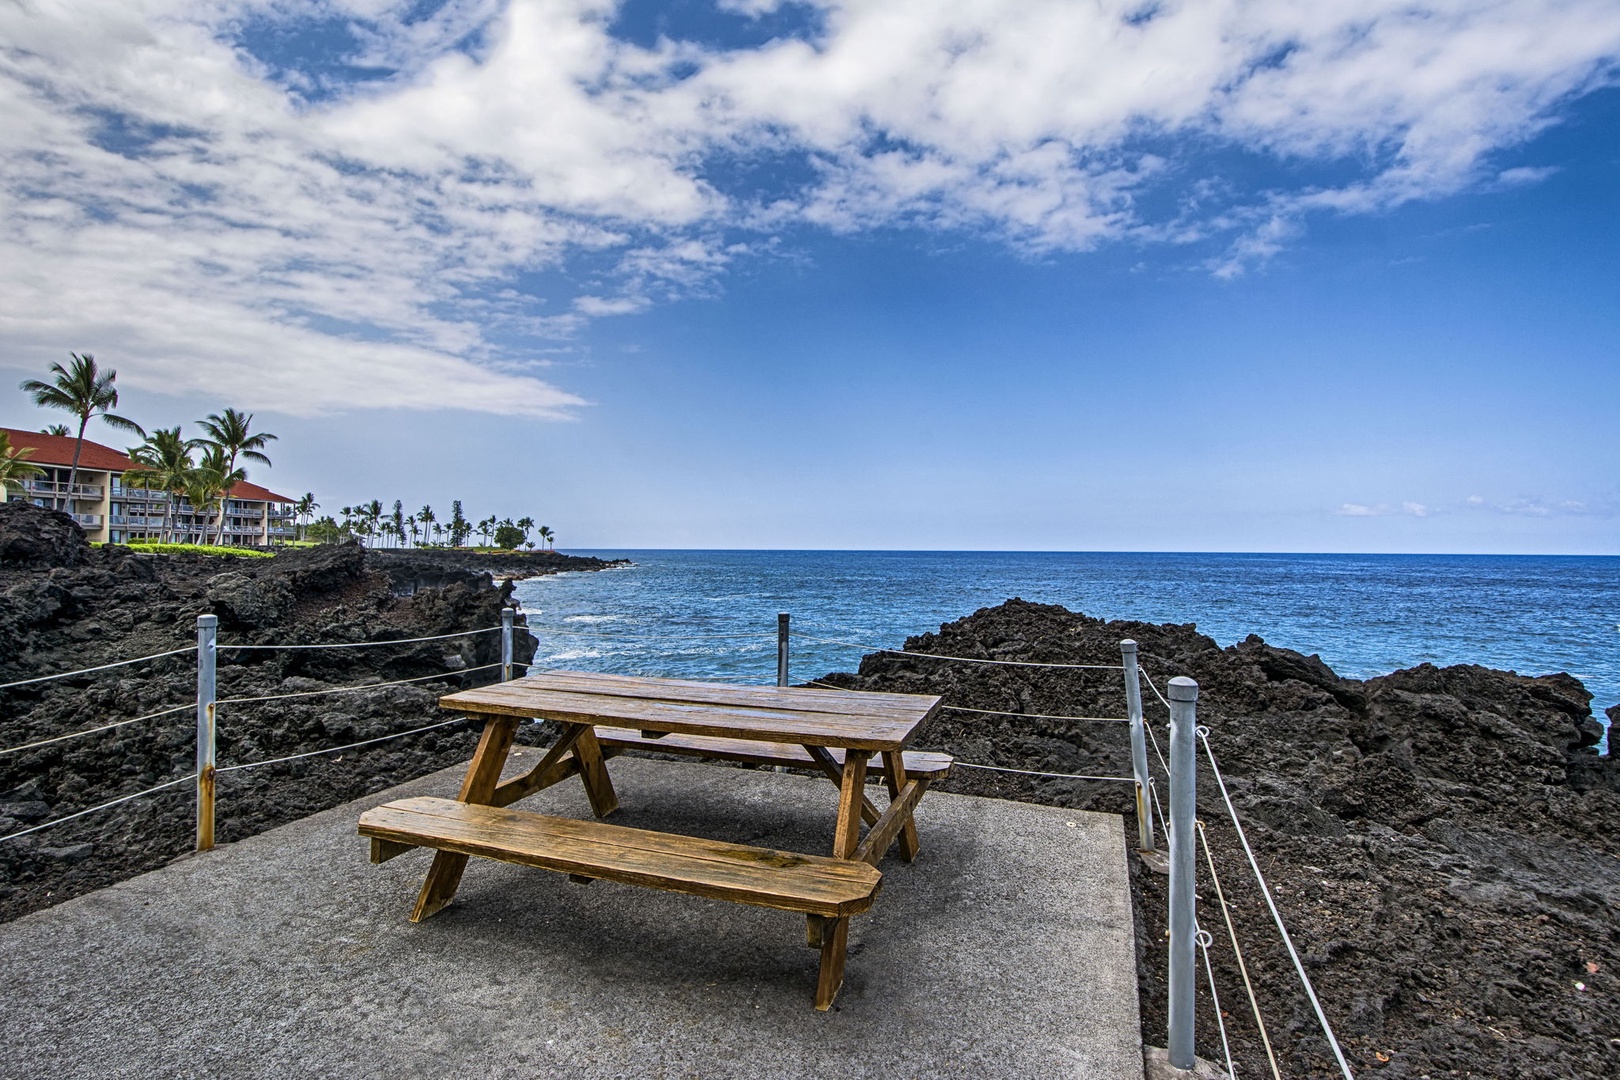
(855, 720)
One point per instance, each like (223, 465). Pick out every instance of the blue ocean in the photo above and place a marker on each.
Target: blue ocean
(712, 614)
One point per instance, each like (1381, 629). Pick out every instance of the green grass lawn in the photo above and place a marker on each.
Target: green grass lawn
(198, 549)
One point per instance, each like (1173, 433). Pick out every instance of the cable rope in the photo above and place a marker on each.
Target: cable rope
(1205, 939)
(335, 749)
(1149, 679)
(103, 667)
(1037, 716)
(356, 689)
(538, 630)
(93, 809)
(105, 727)
(366, 644)
(1237, 950)
(1053, 775)
(1265, 890)
(965, 659)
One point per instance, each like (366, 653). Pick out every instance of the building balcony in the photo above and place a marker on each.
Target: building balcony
(60, 490)
(92, 521)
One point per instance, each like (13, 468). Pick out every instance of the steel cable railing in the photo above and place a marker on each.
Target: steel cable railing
(336, 749)
(365, 644)
(188, 707)
(1265, 891)
(99, 667)
(57, 821)
(356, 688)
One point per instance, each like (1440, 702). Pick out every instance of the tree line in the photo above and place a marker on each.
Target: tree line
(369, 523)
(200, 470)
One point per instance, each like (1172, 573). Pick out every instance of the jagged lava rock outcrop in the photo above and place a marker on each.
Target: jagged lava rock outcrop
(1444, 843)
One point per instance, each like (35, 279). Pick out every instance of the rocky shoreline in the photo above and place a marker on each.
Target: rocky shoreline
(1443, 843)
(67, 605)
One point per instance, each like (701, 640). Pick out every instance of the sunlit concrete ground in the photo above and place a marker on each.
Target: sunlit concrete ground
(1005, 950)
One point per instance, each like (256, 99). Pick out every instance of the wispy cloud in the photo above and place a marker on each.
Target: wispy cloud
(311, 233)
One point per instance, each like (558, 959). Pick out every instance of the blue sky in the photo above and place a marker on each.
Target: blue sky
(1218, 276)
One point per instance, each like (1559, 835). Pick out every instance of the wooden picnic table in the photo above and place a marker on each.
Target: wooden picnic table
(832, 732)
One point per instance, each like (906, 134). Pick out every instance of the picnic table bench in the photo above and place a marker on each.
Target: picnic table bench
(831, 732)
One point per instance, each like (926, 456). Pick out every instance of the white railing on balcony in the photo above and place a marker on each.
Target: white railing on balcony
(88, 519)
(48, 487)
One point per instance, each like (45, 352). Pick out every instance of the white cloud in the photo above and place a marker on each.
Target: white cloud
(310, 242)
(1361, 510)
(1414, 509)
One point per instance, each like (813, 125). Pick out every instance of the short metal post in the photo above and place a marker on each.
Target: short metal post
(1183, 885)
(207, 638)
(1139, 764)
(781, 648)
(506, 643)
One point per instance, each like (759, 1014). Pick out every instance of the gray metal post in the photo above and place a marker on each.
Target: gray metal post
(1183, 867)
(781, 648)
(207, 638)
(506, 643)
(1139, 764)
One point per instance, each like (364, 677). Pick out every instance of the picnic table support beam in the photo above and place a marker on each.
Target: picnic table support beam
(483, 774)
(551, 769)
(593, 770)
(894, 777)
(835, 772)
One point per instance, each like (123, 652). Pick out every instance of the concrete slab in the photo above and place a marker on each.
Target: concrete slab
(1005, 950)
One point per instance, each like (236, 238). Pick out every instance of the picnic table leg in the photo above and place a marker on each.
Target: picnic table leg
(832, 934)
(593, 770)
(483, 773)
(894, 776)
(834, 943)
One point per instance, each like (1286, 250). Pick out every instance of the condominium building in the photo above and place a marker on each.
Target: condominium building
(111, 511)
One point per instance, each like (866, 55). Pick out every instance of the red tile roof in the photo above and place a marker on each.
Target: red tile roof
(58, 450)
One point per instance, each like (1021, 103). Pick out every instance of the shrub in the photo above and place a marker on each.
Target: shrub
(198, 549)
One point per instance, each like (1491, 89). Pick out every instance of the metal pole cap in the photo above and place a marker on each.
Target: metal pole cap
(1183, 689)
(208, 620)
(1127, 646)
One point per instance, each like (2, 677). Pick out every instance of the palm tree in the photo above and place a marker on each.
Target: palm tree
(305, 509)
(525, 523)
(14, 466)
(207, 486)
(85, 391)
(546, 534)
(425, 516)
(56, 429)
(485, 527)
(398, 518)
(162, 463)
(230, 431)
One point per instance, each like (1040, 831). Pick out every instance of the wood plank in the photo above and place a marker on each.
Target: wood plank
(593, 770)
(521, 787)
(784, 880)
(895, 775)
(524, 697)
(850, 796)
(917, 762)
(543, 775)
(483, 774)
(850, 702)
(835, 772)
(383, 850)
(834, 945)
(876, 845)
